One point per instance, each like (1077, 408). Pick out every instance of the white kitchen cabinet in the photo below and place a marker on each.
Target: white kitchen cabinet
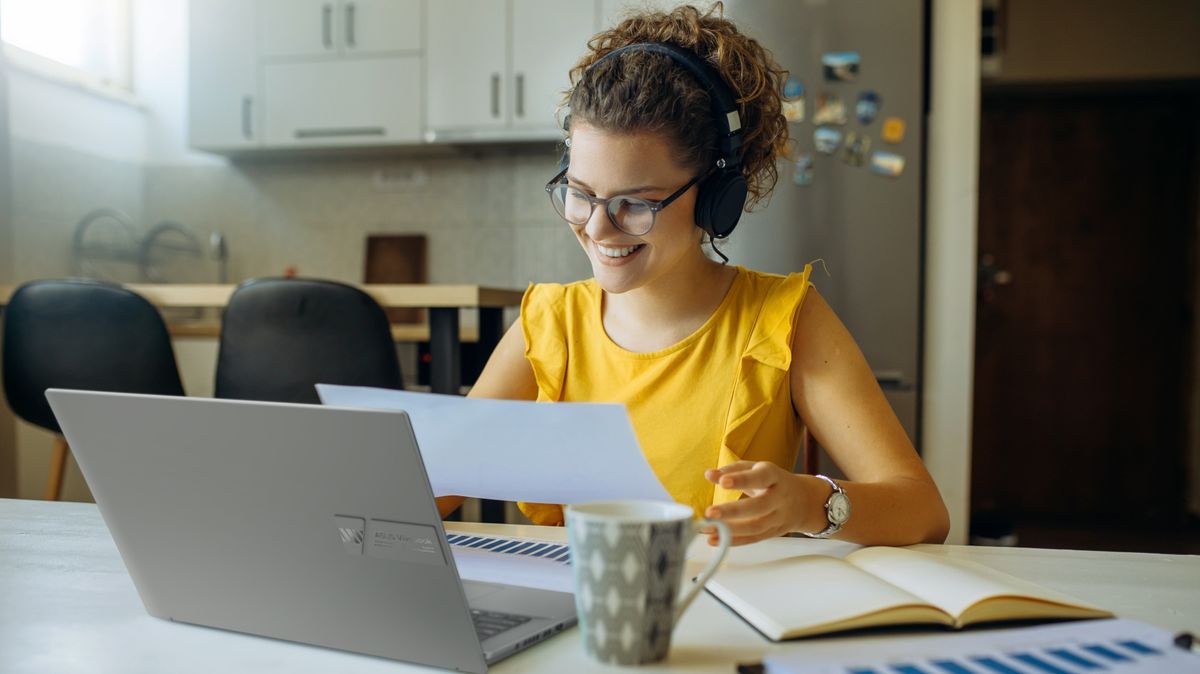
(496, 69)
(382, 26)
(342, 102)
(467, 64)
(301, 28)
(224, 108)
(340, 72)
(548, 38)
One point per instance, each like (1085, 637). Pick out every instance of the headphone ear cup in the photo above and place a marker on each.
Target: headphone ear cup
(719, 206)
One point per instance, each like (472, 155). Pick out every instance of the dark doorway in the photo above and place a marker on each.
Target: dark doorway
(1087, 221)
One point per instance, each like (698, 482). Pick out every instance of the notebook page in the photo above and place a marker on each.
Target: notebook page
(812, 594)
(954, 585)
(1102, 646)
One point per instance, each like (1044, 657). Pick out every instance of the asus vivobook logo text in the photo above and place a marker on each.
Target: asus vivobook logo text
(391, 540)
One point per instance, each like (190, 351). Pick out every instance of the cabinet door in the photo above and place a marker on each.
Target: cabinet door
(548, 37)
(374, 26)
(298, 27)
(342, 102)
(467, 65)
(223, 102)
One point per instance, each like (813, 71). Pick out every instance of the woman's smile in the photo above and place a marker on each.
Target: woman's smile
(615, 256)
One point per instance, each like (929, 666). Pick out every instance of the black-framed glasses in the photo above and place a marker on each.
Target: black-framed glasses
(629, 214)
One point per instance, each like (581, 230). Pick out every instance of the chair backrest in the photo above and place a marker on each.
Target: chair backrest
(281, 336)
(82, 334)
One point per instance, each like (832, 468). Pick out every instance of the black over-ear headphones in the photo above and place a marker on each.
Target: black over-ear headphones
(723, 194)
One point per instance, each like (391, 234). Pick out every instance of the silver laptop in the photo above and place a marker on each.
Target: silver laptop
(301, 522)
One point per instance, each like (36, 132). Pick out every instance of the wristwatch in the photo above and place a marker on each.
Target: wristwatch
(837, 510)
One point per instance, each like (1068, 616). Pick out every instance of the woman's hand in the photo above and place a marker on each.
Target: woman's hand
(776, 501)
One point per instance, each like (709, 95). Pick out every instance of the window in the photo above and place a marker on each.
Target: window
(87, 41)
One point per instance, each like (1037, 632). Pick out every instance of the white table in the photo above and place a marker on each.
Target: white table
(68, 605)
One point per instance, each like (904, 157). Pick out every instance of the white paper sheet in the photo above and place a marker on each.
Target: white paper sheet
(515, 450)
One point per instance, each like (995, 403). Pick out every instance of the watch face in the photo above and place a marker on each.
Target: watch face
(839, 508)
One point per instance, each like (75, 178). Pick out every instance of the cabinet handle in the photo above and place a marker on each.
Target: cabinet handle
(350, 24)
(340, 132)
(247, 109)
(495, 95)
(327, 25)
(520, 94)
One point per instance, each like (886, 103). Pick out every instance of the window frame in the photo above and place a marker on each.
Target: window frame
(118, 87)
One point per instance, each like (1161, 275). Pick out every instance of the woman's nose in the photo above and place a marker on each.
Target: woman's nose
(599, 227)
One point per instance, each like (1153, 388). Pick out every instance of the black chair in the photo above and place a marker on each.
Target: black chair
(281, 336)
(81, 334)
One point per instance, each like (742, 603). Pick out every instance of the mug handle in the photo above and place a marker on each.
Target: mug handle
(709, 570)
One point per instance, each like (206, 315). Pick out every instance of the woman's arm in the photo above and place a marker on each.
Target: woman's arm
(893, 499)
(507, 375)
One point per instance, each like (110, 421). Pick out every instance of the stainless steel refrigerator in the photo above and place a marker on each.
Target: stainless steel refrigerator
(859, 208)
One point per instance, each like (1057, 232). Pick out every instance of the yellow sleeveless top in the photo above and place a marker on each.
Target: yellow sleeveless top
(720, 395)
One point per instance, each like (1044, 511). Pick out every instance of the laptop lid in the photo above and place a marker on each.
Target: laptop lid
(299, 522)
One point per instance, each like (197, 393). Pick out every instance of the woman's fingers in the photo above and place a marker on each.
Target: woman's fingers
(764, 511)
(714, 474)
(760, 475)
(749, 530)
(741, 509)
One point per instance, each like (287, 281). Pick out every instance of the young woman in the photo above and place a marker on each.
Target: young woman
(720, 367)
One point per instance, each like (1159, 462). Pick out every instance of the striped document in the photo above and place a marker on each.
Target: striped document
(513, 561)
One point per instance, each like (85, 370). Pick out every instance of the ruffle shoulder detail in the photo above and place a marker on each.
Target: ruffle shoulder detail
(762, 370)
(543, 322)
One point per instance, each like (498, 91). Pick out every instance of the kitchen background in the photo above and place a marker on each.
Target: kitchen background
(67, 148)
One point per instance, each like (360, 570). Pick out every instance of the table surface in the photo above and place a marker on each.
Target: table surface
(389, 296)
(67, 604)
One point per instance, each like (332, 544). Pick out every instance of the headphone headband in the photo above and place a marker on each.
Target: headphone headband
(724, 102)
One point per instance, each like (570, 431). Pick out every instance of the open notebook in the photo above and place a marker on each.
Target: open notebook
(879, 586)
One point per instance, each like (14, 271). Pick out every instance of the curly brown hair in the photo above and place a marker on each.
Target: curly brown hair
(648, 92)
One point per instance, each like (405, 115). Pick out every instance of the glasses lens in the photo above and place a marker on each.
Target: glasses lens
(571, 204)
(631, 215)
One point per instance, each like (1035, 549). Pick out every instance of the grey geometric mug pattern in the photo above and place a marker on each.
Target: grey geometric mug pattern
(627, 575)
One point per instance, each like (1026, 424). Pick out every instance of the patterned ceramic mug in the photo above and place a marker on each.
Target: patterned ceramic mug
(628, 558)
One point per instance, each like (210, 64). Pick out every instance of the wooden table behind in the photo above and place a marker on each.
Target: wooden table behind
(443, 303)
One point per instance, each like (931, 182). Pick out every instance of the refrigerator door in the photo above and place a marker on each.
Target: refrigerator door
(861, 229)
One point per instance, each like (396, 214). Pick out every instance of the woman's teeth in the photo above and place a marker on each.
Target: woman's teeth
(617, 252)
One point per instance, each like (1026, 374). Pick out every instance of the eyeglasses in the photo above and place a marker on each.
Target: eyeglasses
(631, 215)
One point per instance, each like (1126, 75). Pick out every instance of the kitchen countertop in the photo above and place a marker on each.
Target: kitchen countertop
(389, 296)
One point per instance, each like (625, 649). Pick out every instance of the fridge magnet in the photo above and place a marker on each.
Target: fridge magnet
(830, 109)
(803, 174)
(893, 130)
(826, 139)
(793, 110)
(793, 88)
(840, 66)
(887, 164)
(867, 107)
(854, 152)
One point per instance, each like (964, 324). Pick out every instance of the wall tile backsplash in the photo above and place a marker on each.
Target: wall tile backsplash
(486, 215)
